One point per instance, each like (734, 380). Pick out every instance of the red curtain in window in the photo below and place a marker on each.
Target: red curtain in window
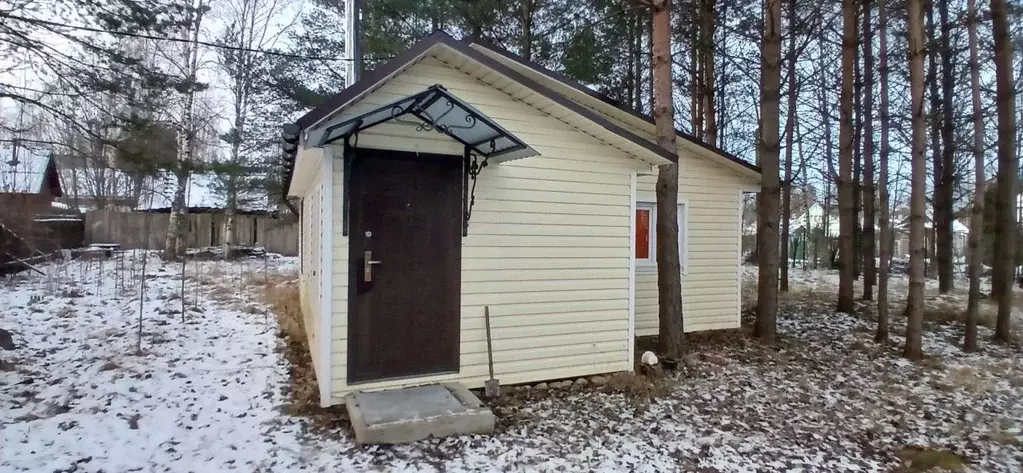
(642, 233)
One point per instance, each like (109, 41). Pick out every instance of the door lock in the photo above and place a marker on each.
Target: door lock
(367, 271)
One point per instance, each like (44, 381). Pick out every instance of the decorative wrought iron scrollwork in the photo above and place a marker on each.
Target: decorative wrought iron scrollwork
(473, 167)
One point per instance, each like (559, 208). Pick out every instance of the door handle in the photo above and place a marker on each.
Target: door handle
(367, 270)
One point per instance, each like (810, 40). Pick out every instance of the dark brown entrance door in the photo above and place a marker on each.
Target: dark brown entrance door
(406, 218)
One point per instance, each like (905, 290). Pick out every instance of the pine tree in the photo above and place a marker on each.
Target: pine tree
(1008, 166)
(914, 310)
(976, 261)
(768, 212)
(670, 337)
(846, 202)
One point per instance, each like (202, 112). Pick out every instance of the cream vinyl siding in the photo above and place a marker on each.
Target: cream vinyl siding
(309, 279)
(710, 285)
(548, 247)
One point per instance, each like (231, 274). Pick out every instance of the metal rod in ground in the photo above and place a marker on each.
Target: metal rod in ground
(492, 387)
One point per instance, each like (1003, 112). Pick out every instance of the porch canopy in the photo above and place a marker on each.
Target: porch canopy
(439, 110)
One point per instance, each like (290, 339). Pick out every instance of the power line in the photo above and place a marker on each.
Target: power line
(179, 40)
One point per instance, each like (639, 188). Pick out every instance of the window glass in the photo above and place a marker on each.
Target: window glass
(643, 233)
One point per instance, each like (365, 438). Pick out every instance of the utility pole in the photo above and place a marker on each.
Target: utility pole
(352, 50)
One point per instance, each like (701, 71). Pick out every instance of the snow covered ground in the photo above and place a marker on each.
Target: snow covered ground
(206, 394)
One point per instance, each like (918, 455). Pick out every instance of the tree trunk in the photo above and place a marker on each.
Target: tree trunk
(943, 225)
(174, 246)
(526, 40)
(669, 270)
(786, 189)
(857, 150)
(846, 202)
(1005, 230)
(868, 238)
(933, 119)
(707, 18)
(917, 202)
(767, 232)
(883, 218)
(973, 255)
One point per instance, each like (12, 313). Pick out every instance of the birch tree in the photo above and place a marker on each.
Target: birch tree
(186, 127)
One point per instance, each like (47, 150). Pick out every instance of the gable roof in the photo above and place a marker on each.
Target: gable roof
(30, 173)
(476, 52)
(597, 97)
(398, 64)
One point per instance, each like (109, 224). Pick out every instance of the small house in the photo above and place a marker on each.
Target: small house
(33, 222)
(458, 180)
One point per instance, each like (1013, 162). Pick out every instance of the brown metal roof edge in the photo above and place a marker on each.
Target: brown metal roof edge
(608, 100)
(463, 47)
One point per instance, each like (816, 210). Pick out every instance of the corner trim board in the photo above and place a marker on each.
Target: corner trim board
(632, 272)
(326, 275)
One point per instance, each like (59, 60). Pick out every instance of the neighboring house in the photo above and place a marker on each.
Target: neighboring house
(29, 181)
(33, 221)
(458, 179)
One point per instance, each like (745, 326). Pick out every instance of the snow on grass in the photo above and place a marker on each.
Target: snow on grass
(206, 395)
(197, 395)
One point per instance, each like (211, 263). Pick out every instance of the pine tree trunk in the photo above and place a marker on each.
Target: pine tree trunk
(857, 170)
(1005, 231)
(707, 18)
(883, 219)
(943, 225)
(868, 238)
(768, 213)
(786, 189)
(973, 255)
(914, 309)
(670, 336)
(846, 203)
(526, 40)
(933, 119)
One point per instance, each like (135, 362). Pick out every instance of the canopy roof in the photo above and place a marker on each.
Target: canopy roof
(439, 110)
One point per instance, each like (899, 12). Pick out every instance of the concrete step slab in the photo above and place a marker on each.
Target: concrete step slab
(416, 413)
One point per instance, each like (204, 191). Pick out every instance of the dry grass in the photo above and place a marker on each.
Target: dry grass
(637, 386)
(282, 295)
(919, 459)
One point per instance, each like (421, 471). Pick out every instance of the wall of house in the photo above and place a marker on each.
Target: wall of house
(710, 281)
(548, 247)
(310, 273)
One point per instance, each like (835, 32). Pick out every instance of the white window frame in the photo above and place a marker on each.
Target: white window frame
(650, 264)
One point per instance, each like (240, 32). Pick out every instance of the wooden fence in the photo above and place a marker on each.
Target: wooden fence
(149, 230)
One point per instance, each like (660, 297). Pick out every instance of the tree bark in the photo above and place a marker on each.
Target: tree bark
(869, 239)
(914, 309)
(790, 115)
(670, 337)
(883, 219)
(174, 245)
(707, 26)
(973, 255)
(943, 225)
(526, 40)
(933, 119)
(846, 202)
(767, 232)
(1008, 166)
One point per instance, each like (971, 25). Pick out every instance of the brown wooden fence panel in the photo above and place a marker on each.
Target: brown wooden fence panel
(149, 230)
